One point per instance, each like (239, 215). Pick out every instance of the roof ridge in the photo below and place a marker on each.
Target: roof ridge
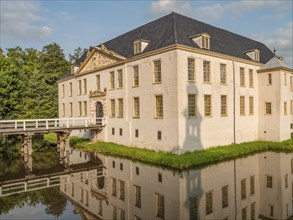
(174, 28)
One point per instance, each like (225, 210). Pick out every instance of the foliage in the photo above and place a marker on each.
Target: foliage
(78, 52)
(188, 159)
(28, 80)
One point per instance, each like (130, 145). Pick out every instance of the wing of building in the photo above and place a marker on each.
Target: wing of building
(177, 84)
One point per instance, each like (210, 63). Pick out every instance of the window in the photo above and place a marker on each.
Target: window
(136, 133)
(79, 109)
(286, 181)
(135, 82)
(113, 131)
(291, 83)
(205, 42)
(113, 164)
(121, 190)
(137, 47)
(120, 108)
(157, 71)
(112, 110)
(79, 87)
(85, 108)
(225, 196)
(242, 77)
(223, 105)
(114, 187)
(285, 79)
(81, 194)
(191, 105)
(121, 213)
(223, 75)
(160, 179)
(86, 198)
(257, 55)
(70, 109)
(159, 106)
(285, 108)
(242, 105)
(206, 72)
(120, 79)
(72, 189)
(292, 166)
(98, 82)
(271, 210)
(112, 80)
(252, 185)
(137, 170)
(136, 111)
(70, 89)
(114, 212)
(191, 69)
(137, 196)
(100, 207)
(291, 107)
(207, 105)
(243, 188)
(84, 86)
(269, 181)
(63, 91)
(268, 108)
(251, 80)
(269, 79)
(251, 105)
(63, 110)
(244, 213)
(209, 202)
(160, 206)
(159, 137)
(252, 211)
(193, 208)
(120, 132)
(121, 166)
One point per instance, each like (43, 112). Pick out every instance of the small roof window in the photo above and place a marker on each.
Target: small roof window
(139, 45)
(202, 40)
(254, 54)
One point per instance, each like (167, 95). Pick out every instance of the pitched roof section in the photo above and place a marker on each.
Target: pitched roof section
(274, 63)
(175, 28)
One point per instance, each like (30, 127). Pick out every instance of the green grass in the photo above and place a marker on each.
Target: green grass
(183, 161)
(186, 160)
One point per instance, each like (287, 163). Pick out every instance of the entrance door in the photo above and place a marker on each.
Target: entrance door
(99, 113)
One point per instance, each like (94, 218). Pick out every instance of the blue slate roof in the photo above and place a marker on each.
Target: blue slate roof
(178, 29)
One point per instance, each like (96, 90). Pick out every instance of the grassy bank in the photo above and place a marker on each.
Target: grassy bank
(186, 160)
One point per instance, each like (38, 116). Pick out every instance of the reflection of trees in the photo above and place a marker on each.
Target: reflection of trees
(51, 198)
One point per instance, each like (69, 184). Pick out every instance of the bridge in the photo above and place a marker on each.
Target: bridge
(61, 126)
(12, 127)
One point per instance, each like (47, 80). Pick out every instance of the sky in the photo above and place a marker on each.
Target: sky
(77, 23)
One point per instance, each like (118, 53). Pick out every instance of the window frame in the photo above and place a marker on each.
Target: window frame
(208, 105)
(192, 107)
(223, 74)
(206, 71)
(225, 107)
(159, 110)
(191, 73)
(157, 71)
(135, 76)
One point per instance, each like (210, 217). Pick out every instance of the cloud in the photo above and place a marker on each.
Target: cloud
(217, 11)
(281, 39)
(21, 20)
(162, 7)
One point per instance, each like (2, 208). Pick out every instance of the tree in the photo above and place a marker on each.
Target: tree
(78, 52)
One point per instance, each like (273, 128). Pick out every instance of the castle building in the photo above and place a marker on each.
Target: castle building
(177, 84)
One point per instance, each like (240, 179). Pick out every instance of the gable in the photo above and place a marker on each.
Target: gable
(97, 58)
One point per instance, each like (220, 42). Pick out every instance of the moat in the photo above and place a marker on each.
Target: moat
(83, 185)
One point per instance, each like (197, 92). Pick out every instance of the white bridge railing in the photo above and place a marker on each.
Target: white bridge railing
(51, 123)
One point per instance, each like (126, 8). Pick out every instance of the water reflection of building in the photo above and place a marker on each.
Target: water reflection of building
(259, 186)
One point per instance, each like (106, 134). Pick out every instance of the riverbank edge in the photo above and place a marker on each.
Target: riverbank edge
(183, 161)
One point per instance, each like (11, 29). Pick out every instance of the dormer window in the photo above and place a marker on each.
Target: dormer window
(202, 40)
(254, 54)
(139, 45)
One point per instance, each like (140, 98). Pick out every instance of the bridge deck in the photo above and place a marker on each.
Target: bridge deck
(9, 127)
